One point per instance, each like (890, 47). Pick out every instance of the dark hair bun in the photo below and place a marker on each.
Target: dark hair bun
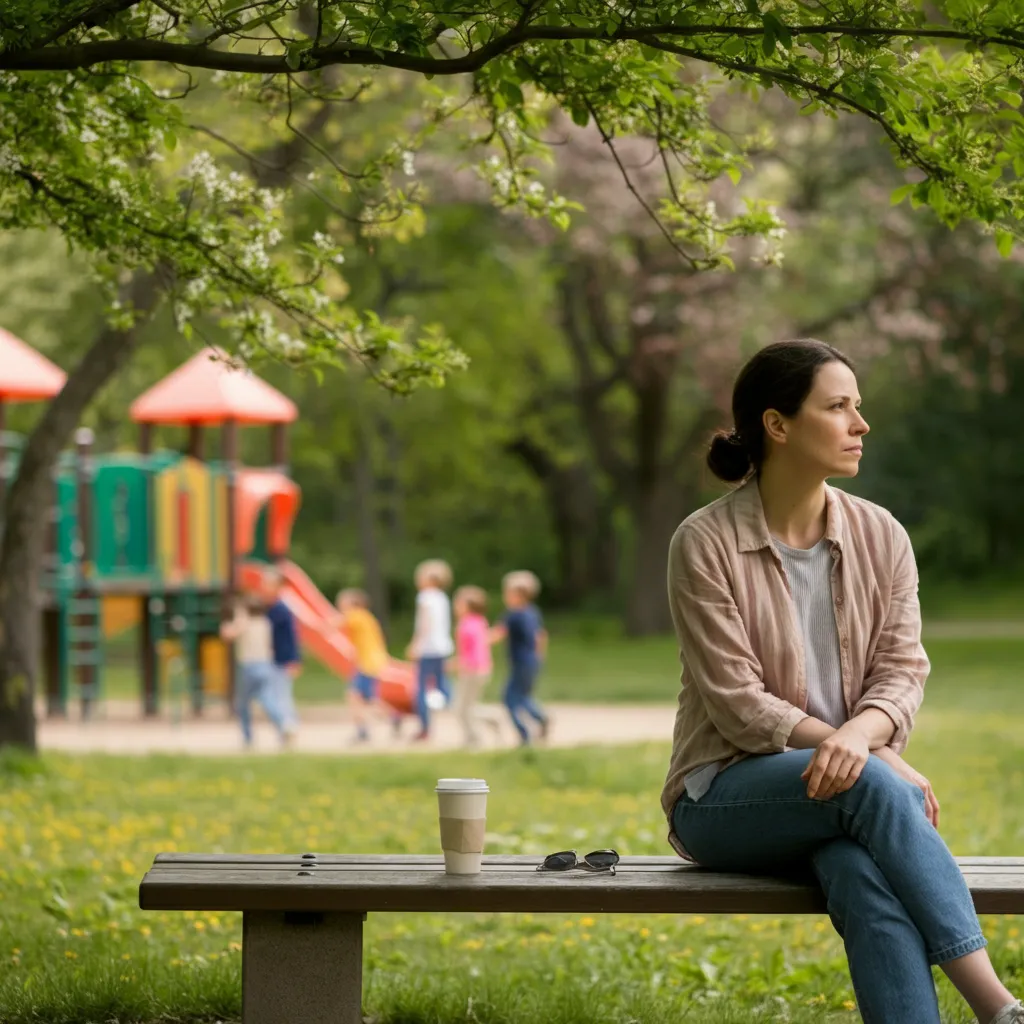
(728, 457)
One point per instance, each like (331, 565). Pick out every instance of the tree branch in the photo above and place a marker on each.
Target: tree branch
(81, 55)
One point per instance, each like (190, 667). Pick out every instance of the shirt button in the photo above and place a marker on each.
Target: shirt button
(839, 600)
(846, 642)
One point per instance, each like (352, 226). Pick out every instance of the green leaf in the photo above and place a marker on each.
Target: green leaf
(580, 115)
(901, 193)
(752, 7)
(170, 139)
(779, 31)
(769, 40)
(1004, 243)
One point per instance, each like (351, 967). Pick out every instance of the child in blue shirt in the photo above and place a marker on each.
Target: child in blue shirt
(523, 630)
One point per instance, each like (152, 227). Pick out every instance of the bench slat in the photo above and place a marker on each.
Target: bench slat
(353, 883)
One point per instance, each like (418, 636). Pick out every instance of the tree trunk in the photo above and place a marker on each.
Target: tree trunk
(25, 519)
(656, 512)
(580, 520)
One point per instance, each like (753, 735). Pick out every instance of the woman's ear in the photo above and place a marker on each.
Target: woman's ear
(774, 425)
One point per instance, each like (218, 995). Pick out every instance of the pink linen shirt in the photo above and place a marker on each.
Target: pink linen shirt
(743, 681)
(473, 646)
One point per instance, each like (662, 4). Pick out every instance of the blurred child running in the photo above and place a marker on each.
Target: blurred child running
(431, 643)
(473, 662)
(523, 629)
(363, 629)
(251, 631)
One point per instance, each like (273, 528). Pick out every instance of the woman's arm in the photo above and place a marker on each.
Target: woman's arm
(717, 652)
(895, 677)
(840, 754)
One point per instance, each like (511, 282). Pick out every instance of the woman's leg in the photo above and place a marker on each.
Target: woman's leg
(757, 817)
(888, 961)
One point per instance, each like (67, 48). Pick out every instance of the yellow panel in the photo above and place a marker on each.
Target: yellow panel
(213, 664)
(120, 613)
(195, 477)
(220, 536)
(165, 493)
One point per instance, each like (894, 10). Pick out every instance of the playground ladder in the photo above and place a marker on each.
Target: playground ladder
(83, 632)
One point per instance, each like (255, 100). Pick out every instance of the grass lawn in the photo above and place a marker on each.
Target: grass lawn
(77, 834)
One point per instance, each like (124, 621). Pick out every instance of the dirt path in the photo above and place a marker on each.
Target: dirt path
(325, 729)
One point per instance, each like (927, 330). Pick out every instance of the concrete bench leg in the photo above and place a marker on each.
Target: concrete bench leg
(302, 968)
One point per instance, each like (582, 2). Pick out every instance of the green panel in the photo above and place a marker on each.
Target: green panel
(260, 545)
(121, 519)
(67, 519)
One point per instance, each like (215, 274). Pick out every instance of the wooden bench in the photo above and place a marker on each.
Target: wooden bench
(302, 915)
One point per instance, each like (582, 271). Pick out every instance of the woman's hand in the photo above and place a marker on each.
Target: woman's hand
(837, 762)
(904, 771)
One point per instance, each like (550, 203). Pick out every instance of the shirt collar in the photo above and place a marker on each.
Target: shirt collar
(752, 530)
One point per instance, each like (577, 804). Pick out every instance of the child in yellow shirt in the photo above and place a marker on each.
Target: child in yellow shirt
(363, 629)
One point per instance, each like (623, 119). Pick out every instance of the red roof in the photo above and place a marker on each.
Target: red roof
(207, 389)
(25, 375)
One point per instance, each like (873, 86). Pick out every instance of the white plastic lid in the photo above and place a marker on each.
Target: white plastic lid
(462, 786)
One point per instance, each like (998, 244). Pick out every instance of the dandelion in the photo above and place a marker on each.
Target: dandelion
(586, 922)
(126, 956)
(70, 954)
(849, 1004)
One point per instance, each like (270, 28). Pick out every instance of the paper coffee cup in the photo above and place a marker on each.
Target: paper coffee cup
(462, 811)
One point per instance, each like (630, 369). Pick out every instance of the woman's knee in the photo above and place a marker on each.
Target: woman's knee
(879, 782)
(853, 883)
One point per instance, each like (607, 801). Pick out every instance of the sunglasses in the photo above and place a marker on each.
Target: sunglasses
(566, 860)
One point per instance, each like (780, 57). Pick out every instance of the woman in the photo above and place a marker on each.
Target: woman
(799, 628)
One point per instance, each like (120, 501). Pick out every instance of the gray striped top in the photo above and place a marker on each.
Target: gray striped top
(810, 582)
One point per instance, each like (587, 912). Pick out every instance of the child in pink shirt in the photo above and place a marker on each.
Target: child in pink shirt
(473, 663)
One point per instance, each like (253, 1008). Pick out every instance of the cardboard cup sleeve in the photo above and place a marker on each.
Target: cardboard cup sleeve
(463, 835)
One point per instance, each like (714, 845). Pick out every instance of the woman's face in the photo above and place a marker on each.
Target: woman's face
(826, 435)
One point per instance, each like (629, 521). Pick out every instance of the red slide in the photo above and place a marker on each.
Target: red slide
(314, 615)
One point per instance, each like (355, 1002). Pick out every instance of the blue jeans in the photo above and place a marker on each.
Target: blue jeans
(428, 669)
(258, 681)
(518, 697)
(893, 890)
(284, 696)
(365, 686)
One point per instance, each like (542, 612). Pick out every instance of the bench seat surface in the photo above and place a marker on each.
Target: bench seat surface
(392, 882)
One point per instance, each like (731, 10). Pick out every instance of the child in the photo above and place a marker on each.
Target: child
(251, 631)
(432, 636)
(285, 642)
(472, 661)
(363, 629)
(527, 639)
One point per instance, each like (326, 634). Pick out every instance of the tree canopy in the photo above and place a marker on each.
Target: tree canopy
(95, 95)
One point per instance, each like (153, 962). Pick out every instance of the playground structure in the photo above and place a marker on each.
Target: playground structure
(160, 541)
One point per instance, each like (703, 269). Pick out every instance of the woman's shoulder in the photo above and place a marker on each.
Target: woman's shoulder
(864, 516)
(711, 519)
